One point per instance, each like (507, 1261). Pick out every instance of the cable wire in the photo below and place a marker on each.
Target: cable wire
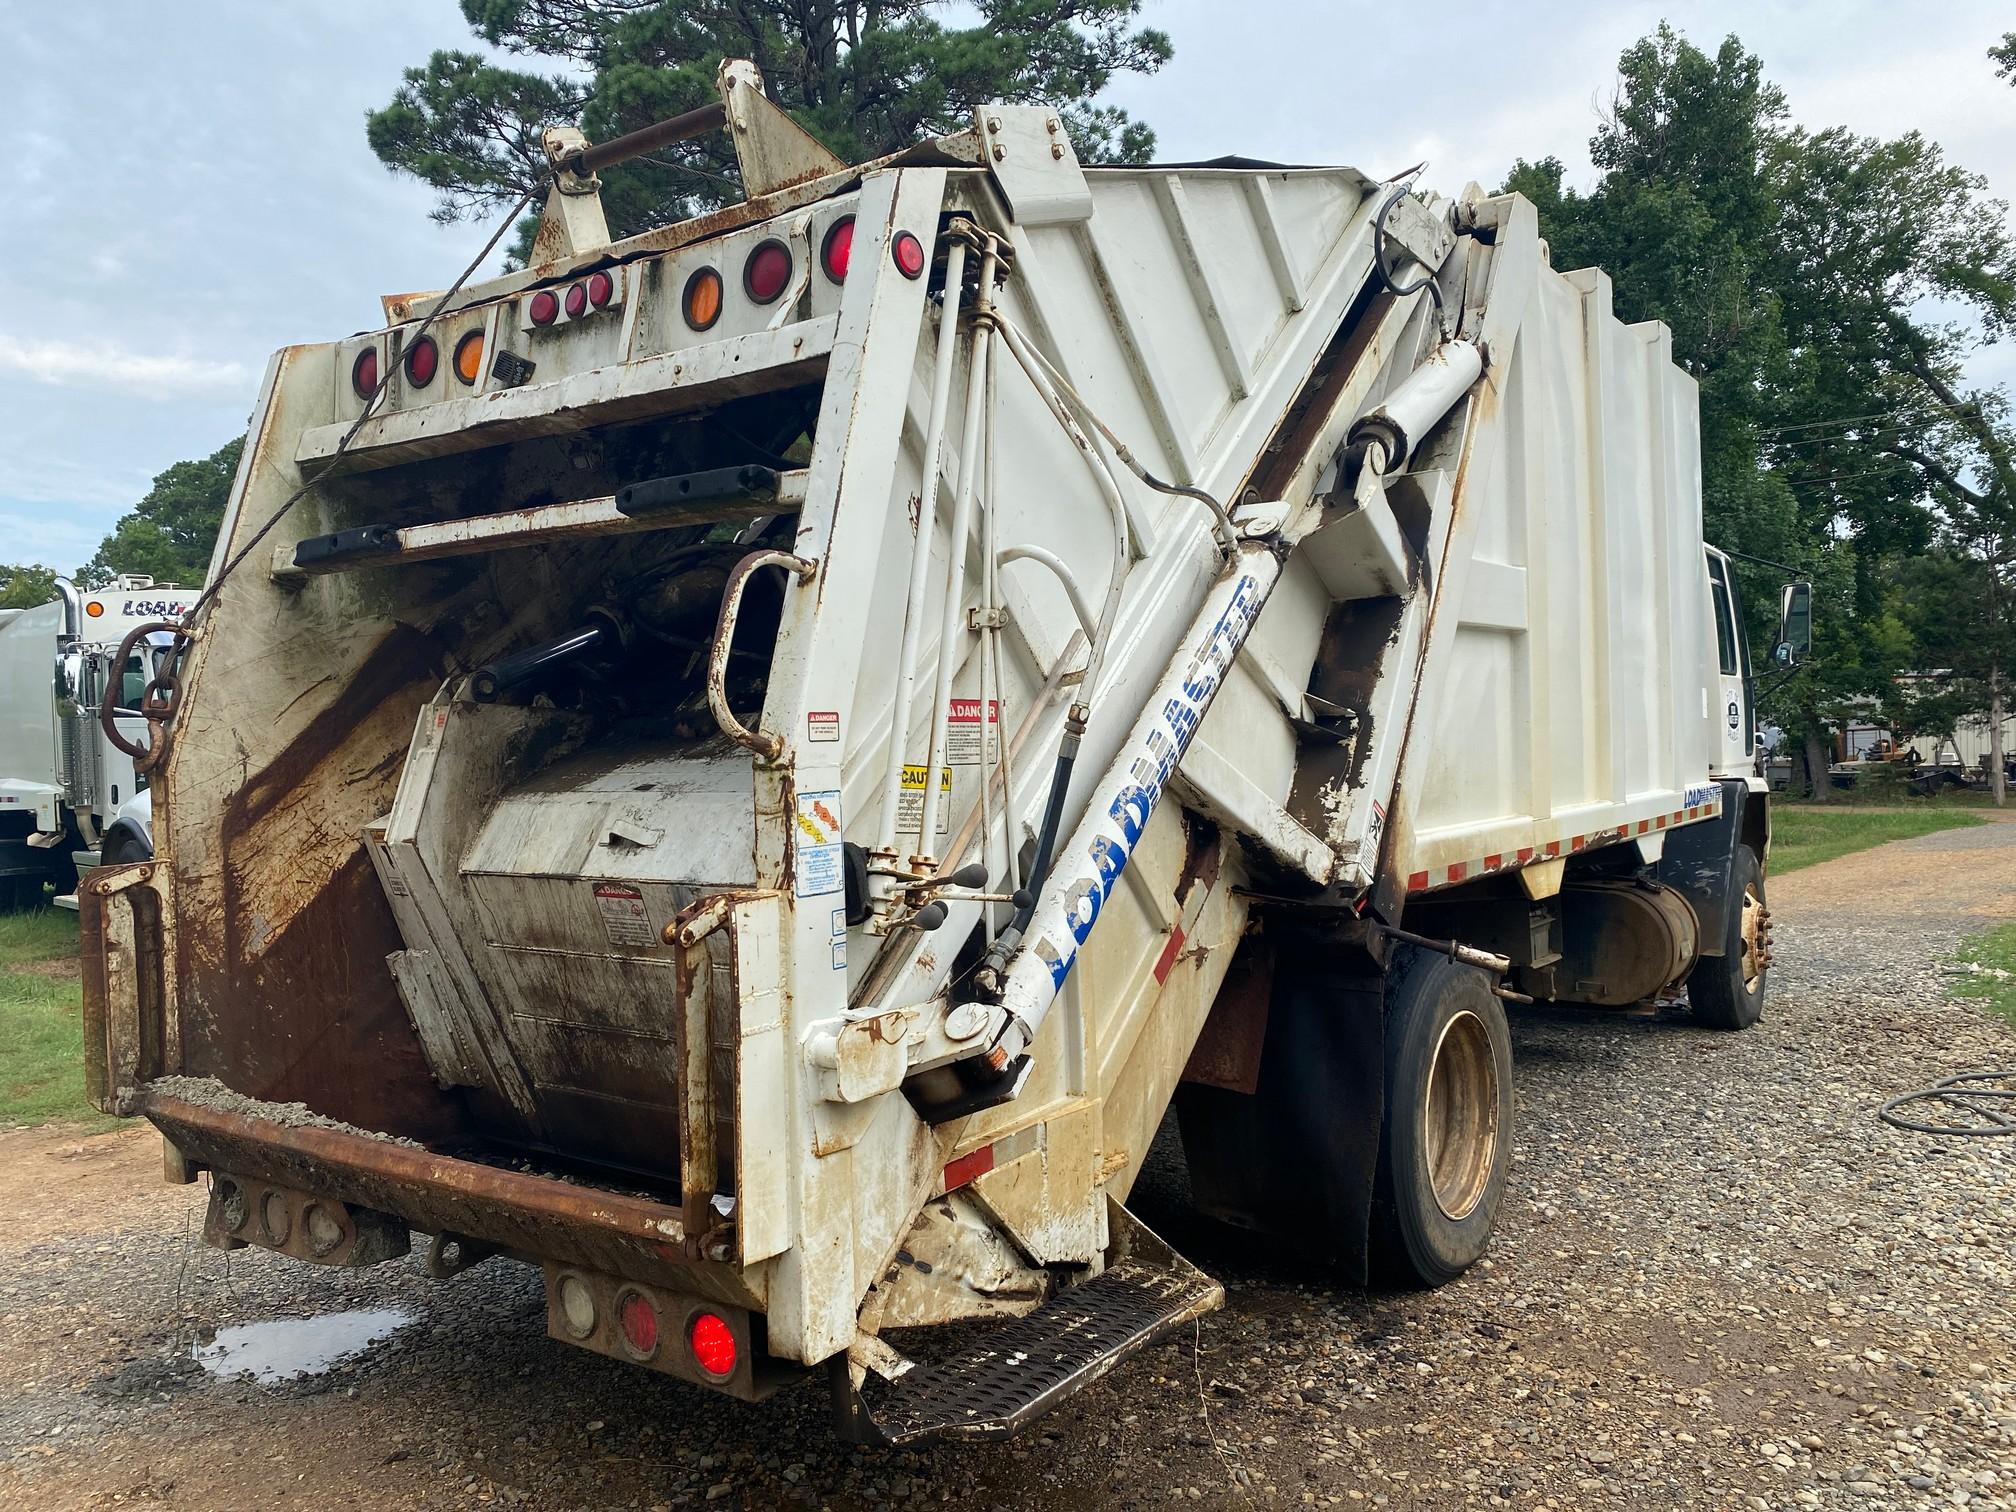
(231, 565)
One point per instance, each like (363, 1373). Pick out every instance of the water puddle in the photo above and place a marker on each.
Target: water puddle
(285, 1349)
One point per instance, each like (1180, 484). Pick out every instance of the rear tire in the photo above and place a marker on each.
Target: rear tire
(1446, 1143)
(1727, 991)
(123, 849)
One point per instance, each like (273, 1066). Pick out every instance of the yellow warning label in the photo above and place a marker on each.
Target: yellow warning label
(910, 802)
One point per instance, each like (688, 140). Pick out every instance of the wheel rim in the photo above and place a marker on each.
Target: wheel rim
(1752, 926)
(1460, 1118)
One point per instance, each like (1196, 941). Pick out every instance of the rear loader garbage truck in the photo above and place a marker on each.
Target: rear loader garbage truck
(781, 747)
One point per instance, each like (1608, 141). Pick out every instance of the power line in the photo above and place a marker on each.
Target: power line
(1901, 413)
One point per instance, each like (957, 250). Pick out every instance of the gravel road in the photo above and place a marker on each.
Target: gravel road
(1719, 1282)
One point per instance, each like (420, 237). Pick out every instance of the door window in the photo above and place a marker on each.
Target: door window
(1725, 621)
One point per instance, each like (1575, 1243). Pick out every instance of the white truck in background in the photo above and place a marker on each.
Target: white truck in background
(780, 748)
(62, 782)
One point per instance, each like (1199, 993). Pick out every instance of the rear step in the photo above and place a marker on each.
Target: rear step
(1024, 1367)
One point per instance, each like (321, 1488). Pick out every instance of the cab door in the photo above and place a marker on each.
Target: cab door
(1730, 707)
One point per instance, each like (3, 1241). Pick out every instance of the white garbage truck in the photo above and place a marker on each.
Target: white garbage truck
(779, 749)
(63, 781)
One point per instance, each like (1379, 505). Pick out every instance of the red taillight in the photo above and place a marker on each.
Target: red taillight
(544, 308)
(423, 360)
(767, 272)
(908, 253)
(833, 251)
(639, 1321)
(713, 1344)
(577, 301)
(364, 373)
(601, 289)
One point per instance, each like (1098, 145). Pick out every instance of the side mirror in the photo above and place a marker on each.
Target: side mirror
(1795, 625)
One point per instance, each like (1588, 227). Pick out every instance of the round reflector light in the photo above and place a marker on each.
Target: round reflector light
(423, 360)
(577, 301)
(908, 253)
(544, 309)
(93, 608)
(639, 1321)
(713, 1344)
(577, 1307)
(767, 271)
(364, 373)
(833, 251)
(702, 299)
(469, 357)
(601, 289)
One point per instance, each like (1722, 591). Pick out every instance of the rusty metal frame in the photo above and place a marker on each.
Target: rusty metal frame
(130, 1031)
(524, 1215)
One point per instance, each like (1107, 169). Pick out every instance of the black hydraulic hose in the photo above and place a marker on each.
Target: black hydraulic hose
(1393, 285)
(1046, 848)
(1046, 838)
(486, 684)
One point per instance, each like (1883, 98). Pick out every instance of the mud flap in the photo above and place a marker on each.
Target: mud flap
(1298, 1159)
(1017, 1370)
(129, 1034)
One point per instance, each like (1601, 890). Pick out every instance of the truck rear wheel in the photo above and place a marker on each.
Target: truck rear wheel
(1727, 991)
(1447, 1139)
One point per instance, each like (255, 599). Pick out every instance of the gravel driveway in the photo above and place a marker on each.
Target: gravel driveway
(1719, 1282)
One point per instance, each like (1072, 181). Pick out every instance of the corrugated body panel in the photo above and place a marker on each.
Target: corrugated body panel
(1570, 699)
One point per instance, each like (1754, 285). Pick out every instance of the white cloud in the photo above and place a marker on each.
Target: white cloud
(67, 364)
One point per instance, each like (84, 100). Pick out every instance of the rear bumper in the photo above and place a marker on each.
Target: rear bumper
(531, 1217)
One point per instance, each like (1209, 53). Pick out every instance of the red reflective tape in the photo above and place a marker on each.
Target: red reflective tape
(1458, 870)
(1553, 849)
(977, 1163)
(1417, 882)
(1644, 825)
(1578, 842)
(1662, 821)
(1694, 813)
(1525, 854)
(1168, 960)
(1492, 863)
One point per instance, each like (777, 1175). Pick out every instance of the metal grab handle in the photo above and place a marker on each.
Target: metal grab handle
(764, 744)
(163, 696)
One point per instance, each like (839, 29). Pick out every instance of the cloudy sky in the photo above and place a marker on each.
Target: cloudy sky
(190, 186)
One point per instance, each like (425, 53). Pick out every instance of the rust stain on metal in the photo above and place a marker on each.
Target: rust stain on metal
(517, 1212)
(1227, 1052)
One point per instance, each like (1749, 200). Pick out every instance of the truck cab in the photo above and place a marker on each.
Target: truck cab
(61, 779)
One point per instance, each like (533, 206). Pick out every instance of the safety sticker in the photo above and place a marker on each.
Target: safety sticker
(624, 917)
(910, 803)
(822, 726)
(969, 742)
(818, 844)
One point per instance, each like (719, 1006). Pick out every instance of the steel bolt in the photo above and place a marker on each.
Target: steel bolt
(1057, 150)
(1000, 152)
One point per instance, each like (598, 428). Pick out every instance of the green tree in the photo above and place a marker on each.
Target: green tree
(1825, 289)
(865, 76)
(2004, 56)
(169, 534)
(25, 586)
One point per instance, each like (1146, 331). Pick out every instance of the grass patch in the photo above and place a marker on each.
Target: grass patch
(41, 1020)
(1807, 834)
(1993, 982)
(1901, 795)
